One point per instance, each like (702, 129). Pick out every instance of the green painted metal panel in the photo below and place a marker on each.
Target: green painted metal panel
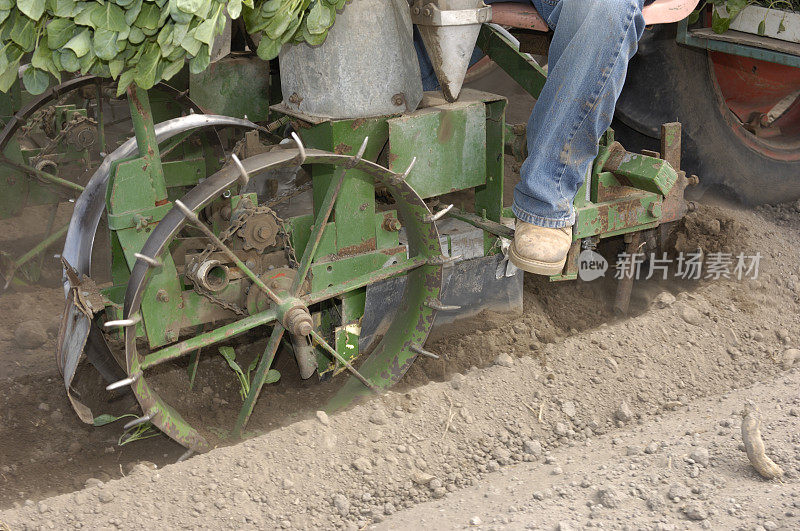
(449, 142)
(127, 198)
(325, 274)
(385, 237)
(647, 173)
(184, 172)
(300, 229)
(355, 205)
(137, 191)
(233, 86)
(633, 212)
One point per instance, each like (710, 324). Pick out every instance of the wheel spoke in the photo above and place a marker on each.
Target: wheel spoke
(217, 335)
(319, 228)
(325, 210)
(324, 344)
(364, 280)
(258, 380)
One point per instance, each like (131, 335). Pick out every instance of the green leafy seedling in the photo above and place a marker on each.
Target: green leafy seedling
(244, 377)
(136, 433)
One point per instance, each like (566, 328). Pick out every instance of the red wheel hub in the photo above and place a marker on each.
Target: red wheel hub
(749, 90)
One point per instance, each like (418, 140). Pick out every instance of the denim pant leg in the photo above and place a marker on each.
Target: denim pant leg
(588, 60)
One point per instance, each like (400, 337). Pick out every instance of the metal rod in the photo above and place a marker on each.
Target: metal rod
(410, 167)
(173, 143)
(185, 455)
(149, 260)
(192, 217)
(40, 248)
(492, 227)
(364, 280)
(324, 344)
(147, 142)
(122, 383)
(244, 178)
(422, 352)
(122, 323)
(360, 153)
(622, 299)
(50, 223)
(301, 156)
(436, 304)
(140, 420)
(101, 128)
(258, 380)
(209, 338)
(439, 215)
(194, 362)
(52, 179)
(277, 124)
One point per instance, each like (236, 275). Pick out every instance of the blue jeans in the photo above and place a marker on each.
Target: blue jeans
(592, 43)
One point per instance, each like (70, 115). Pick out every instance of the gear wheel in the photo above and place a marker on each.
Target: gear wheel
(260, 231)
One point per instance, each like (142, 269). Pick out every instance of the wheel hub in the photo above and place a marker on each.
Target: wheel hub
(296, 318)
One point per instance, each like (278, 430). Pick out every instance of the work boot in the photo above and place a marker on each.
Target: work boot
(540, 250)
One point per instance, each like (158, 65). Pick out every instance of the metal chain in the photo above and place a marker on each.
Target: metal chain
(241, 219)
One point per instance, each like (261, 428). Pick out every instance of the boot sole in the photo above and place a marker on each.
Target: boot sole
(536, 267)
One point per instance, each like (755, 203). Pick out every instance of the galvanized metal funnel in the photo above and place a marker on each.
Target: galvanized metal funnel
(449, 29)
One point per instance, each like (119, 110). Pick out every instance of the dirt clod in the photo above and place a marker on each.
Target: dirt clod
(700, 456)
(790, 357)
(695, 511)
(379, 417)
(30, 335)
(323, 418)
(609, 497)
(504, 360)
(342, 504)
(623, 412)
(691, 315)
(664, 300)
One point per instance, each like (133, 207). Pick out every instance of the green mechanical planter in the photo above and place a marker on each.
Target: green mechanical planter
(338, 243)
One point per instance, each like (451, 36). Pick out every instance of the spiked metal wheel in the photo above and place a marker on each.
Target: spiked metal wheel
(290, 307)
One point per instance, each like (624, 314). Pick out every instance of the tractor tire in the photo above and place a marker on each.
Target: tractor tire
(669, 82)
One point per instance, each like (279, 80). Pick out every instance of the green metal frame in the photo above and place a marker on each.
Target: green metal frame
(684, 36)
(346, 242)
(434, 139)
(358, 239)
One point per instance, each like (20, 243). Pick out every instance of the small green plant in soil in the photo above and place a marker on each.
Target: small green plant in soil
(135, 433)
(244, 377)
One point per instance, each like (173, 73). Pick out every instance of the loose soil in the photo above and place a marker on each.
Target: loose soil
(520, 412)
